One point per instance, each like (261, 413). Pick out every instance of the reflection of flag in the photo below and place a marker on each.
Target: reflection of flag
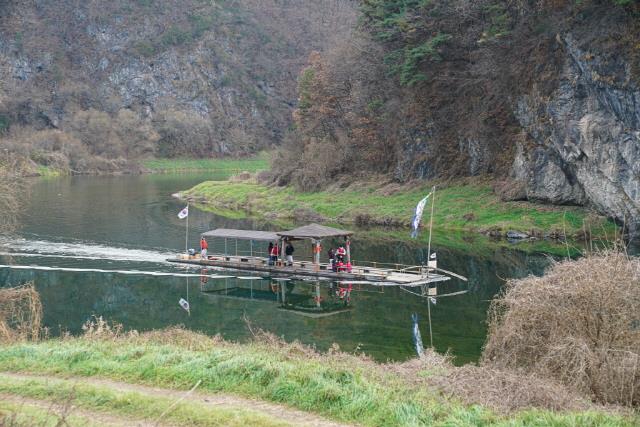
(183, 213)
(184, 304)
(415, 223)
(433, 300)
(417, 338)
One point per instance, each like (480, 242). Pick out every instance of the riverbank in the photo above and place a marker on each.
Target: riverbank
(251, 164)
(460, 207)
(111, 374)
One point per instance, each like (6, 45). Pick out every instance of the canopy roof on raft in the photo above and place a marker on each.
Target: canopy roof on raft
(228, 233)
(311, 231)
(314, 231)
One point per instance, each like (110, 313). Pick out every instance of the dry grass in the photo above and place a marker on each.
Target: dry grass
(578, 324)
(20, 314)
(10, 192)
(507, 390)
(503, 390)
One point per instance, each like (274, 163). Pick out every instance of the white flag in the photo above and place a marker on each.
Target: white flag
(433, 256)
(184, 304)
(183, 213)
(433, 300)
(417, 217)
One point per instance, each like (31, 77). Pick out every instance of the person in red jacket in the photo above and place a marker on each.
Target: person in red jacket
(203, 248)
(340, 254)
(275, 251)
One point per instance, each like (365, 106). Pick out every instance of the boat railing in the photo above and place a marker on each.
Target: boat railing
(404, 268)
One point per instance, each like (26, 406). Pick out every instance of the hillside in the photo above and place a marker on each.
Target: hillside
(542, 96)
(90, 86)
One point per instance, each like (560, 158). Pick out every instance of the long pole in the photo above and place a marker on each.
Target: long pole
(433, 202)
(186, 233)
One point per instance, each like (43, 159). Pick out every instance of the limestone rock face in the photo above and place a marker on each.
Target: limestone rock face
(582, 143)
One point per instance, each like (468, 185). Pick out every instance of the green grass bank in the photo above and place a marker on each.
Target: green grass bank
(336, 385)
(250, 164)
(465, 207)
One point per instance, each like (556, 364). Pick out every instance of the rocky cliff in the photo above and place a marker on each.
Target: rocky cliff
(198, 77)
(582, 143)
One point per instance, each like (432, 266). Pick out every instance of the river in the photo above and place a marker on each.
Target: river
(96, 246)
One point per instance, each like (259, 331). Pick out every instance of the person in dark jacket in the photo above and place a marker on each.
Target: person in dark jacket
(288, 251)
(269, 249)
(332, 258)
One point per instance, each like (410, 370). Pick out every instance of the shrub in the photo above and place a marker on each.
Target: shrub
(186, 134)
(20, 314)
(4, 123)
(175, 36)
(579, 324)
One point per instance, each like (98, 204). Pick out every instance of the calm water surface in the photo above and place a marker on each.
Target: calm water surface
(97, 245)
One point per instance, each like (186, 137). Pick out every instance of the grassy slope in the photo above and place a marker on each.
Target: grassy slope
(471, 207)
(339, 386)
(251, 164)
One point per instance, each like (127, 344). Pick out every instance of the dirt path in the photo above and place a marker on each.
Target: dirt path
(219, 400)
(59, 410)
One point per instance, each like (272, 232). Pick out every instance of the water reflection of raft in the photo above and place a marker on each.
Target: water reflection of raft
(248, 259)
(305, 299)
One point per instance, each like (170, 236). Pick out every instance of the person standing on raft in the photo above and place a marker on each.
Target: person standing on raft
(288, 251)
(275, 250)
(203, 248)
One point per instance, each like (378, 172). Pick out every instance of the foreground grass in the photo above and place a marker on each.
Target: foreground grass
(249, 164)
(471, 207)
(338, 386)
(131, 405)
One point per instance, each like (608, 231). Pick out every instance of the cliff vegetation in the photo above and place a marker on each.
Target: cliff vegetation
(542, 96)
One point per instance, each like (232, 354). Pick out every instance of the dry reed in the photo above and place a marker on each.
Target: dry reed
(20, 314)
(578, 324)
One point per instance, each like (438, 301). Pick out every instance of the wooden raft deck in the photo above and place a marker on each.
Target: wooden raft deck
(308, 269)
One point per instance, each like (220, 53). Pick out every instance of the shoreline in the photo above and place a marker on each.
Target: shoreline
(461, 208)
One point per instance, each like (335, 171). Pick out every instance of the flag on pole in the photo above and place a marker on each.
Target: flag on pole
(184, 304)
(432, 300)
(183, 213)
(417, 217)
(433, 256)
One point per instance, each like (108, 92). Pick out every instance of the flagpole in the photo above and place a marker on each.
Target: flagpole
(186, 233)
(433, 202)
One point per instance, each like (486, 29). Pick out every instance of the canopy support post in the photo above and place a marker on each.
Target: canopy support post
(348, 243)
(282, 258)
(316, 255)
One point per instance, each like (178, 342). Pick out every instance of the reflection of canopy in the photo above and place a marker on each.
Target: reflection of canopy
(314, 231)
(242, 234)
